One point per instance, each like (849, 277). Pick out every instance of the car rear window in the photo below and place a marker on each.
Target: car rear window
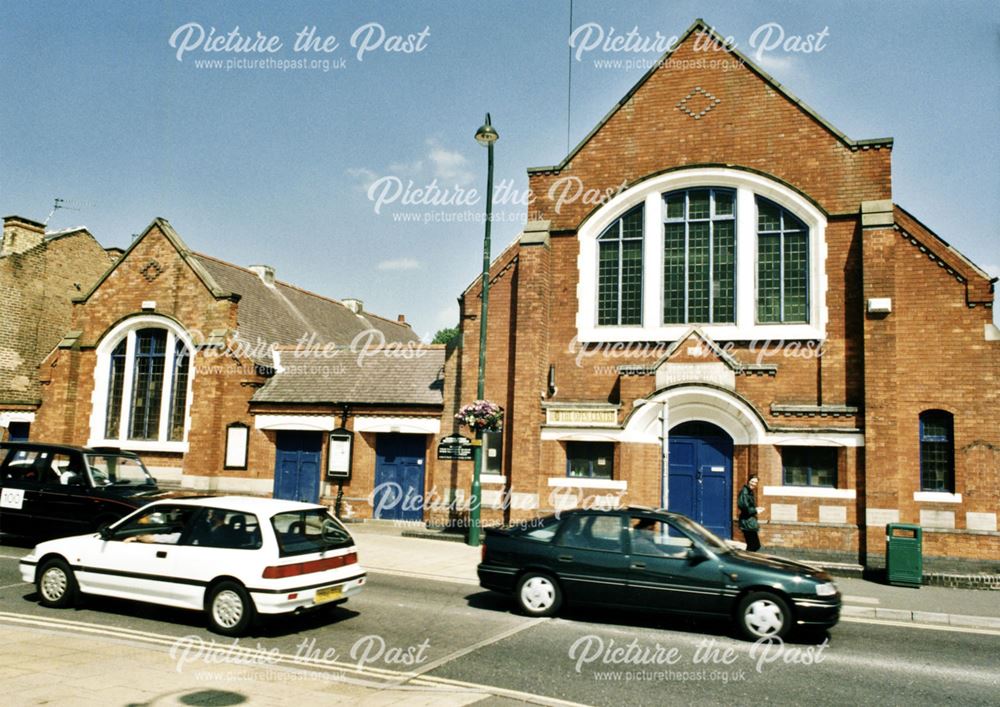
(313, 530)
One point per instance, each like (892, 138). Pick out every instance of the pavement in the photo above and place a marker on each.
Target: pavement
(42, 662)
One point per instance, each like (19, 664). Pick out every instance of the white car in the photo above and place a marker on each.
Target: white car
(232, 557)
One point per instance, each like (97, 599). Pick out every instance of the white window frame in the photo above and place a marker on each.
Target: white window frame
(747, 185)
(128, 330)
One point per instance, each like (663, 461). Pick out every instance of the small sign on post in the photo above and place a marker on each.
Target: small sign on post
(455, 448)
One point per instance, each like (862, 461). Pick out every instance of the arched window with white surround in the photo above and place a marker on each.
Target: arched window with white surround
(734, 252)
(142, 386)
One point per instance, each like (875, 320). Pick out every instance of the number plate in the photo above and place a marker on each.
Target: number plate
(12, 498)
(327, 594)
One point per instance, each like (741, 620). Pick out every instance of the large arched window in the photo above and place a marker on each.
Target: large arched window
(736, 253)
(937, 451)
(142, 386)
(619, 277)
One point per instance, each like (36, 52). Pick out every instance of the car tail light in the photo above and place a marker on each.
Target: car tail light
(297, 568)
(482, 552)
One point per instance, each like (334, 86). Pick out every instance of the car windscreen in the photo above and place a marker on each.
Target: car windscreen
(702, 534)
(117, 470)
(311, 530)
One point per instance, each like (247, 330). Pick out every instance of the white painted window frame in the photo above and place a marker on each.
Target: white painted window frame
(747, 185)
(102, 371)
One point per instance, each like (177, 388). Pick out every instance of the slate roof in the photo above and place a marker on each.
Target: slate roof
(278, 315)
(411, 377)
(284, 314)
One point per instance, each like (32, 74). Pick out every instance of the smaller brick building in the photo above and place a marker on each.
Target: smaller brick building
(40, 274)
(225, 379)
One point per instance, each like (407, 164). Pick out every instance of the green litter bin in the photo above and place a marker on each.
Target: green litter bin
(904, 564)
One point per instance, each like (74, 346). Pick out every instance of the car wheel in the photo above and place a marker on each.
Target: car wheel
(764, 615)
(539, 594)
(230, 609)
(56, 585)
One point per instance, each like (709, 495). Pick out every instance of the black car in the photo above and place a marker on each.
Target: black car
(656, 560)
(54, 490)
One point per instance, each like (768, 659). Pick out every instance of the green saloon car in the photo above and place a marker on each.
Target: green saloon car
(642, 558)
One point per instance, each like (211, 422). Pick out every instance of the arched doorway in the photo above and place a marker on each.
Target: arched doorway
(700, 475)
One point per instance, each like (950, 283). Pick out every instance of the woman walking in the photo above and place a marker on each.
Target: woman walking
(747, 504)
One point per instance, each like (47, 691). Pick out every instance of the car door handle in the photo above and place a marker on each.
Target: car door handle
(161, 553)
(638, 565)
(565, 558)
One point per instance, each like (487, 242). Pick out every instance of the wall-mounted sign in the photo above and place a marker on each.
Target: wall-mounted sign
(339, 455)
(455, 447)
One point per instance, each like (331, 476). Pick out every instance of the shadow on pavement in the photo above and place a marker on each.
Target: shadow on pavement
(613, 616)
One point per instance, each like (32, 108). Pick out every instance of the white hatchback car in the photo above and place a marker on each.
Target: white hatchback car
(232, 556)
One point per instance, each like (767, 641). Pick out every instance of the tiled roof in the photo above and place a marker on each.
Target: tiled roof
(282, 314)
(411, 377)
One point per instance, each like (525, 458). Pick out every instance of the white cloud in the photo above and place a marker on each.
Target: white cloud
(399, 264)
(449, 165)
(366, 177)
(406, 169)
(783, 65)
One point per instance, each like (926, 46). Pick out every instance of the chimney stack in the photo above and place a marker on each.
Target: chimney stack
(265, 273)
(20, 234)
(355, 305)
(401, 318)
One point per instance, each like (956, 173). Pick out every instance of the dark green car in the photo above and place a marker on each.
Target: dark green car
(657, 560)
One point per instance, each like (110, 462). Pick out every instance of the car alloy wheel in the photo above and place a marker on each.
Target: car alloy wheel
(56, 585)
(539, 594)
(230, 609)
(764, 615)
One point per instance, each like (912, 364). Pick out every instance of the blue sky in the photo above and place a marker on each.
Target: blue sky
(275, 165)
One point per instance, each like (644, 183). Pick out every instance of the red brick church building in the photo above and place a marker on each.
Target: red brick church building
(749, 299)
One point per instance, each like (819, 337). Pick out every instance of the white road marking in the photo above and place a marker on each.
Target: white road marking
(328, 669)
(925, 627)
(435, 664)
(851, 599)
(18, 584)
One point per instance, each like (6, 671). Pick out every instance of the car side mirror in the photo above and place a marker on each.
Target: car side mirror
(695, 554)
(106, 533)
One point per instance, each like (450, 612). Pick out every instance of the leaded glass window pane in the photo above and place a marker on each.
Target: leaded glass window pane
(699, 237)
(619, 271)
(699, 257)
(782, 265)
(724, 272)
(116, 382)
(673, 274)
(147, 383)
(607, 283)
(178, 398)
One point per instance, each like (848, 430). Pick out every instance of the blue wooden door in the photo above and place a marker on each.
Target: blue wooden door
(296, 465)
(700, 475)
(399, 477)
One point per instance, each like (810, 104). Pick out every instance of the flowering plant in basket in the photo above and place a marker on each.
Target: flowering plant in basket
(481, 416)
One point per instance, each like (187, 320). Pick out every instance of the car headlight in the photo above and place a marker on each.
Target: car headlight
(827, 589)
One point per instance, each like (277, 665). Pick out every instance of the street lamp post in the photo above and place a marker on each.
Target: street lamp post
(485, 136)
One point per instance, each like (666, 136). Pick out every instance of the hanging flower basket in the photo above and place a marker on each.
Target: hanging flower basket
(481, 416)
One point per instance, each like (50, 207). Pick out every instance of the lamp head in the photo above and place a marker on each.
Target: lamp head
(486, 135)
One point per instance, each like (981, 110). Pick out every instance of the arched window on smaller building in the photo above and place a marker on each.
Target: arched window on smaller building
(619, 271)
(937, 451)
(145, 378)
